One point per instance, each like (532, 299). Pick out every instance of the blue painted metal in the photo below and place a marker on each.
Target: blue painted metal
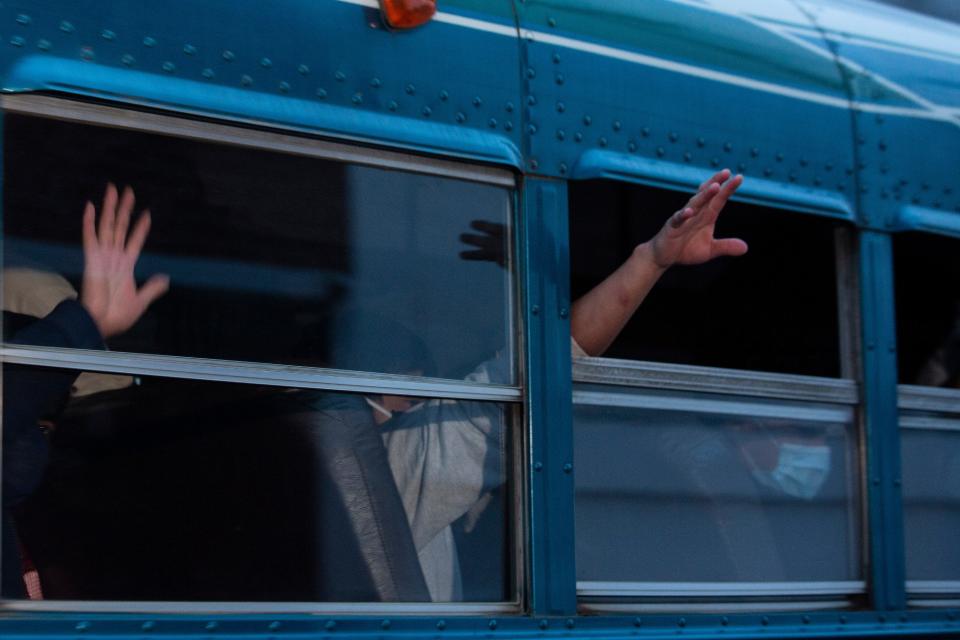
(882, 441)
(702, 85)
(914, 218)
(657, 92)
(550, 417)
(919, 624)
(683, 177)
(329, 68)
(648, 97)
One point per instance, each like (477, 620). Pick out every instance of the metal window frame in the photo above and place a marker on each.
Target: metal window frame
(812, 398)
(266, 137)
(235, 134)
(946, 403)
(748, 393)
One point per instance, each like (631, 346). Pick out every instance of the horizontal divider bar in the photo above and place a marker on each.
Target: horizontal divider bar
(934, 399)
(214, 608)
(930, 587)
(658, 375)
(929, 423)
(753, 607)
(719, 589)
(257, 373)
(735, 407)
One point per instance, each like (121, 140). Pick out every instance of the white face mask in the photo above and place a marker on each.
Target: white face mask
(800, 472)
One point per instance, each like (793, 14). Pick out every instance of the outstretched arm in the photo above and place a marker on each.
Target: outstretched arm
(686, 238)
(109, 292)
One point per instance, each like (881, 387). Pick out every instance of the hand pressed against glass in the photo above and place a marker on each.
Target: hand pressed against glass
(109, 291)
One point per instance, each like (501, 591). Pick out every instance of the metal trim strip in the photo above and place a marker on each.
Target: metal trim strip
(832, 414)
(234, 608)
(656, 375)
(931, 587)
(257, 373)
(929, 423)
(934, 399)
(711, 607)
(718, 589)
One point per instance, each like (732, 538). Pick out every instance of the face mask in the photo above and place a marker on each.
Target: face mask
(800, 472)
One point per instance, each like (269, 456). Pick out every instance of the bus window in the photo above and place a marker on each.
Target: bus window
(730, 311)
(716, 438)
(272, 257)
(321, 406)
(202, 491)
(928, 352)
(927, 276)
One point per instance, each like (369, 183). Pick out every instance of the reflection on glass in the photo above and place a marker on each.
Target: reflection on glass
(162, 489)
(931, 502)
(272, 257)
(700, 495)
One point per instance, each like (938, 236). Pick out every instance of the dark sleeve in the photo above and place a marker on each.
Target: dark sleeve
(30, 392)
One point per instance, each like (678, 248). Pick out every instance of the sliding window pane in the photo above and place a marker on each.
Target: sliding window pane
(272, 257)
(705, 488)
(930, 450)
(160, 489)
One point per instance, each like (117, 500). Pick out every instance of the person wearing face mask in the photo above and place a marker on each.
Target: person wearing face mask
(797, 467)
(447, 455)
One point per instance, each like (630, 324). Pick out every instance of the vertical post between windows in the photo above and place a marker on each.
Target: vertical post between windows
(546, 258)
(882, 446)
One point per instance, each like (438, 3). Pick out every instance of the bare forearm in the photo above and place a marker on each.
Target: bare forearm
(599, 316)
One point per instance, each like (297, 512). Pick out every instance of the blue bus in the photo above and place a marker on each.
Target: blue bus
(351, 406)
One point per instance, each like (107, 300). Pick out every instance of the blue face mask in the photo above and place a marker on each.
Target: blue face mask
(800, 472)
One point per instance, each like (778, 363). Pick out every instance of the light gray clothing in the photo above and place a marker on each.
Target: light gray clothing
(445, 455)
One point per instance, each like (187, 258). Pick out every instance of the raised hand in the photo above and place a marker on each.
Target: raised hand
(687, 237)
(109, 292)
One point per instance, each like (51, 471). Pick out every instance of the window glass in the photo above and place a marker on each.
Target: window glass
(931, 497)
(774, 309)
(927, 285)
(273, 257)
(708, 488)
(160, 489)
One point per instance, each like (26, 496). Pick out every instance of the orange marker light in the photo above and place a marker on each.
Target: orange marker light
(406, 14)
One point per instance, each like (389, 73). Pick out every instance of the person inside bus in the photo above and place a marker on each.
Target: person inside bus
(444, 455)
(447, 455)
(110, 302)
